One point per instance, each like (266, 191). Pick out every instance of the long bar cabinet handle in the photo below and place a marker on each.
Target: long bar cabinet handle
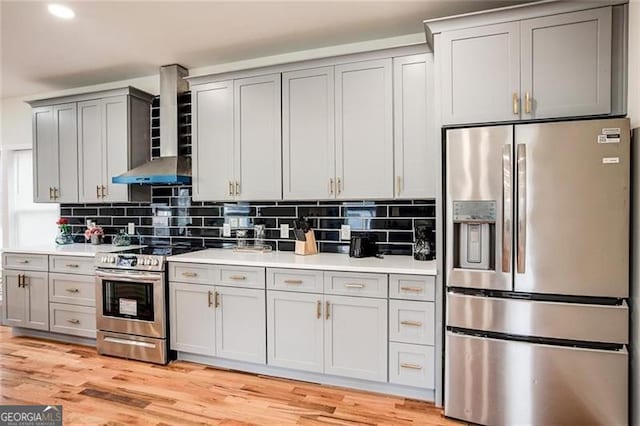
(522, 208)
(354, 285)
(327, 308)
(319, 310)
(527, 103)
(293, 281)
(238, 277)
(217, 299)
(411, 366)
(507, 208)
(73, 321)
(209, 301)
(412, 323)
(516, 104)
(72, 290)
(416, 289)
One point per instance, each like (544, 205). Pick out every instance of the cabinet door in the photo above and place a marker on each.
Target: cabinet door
(115, 146)
(212, 125)
(308, 140)
(258, 141)
(481, 74)
(192, 313)
(45, 155)
(240, 324)
(66, 133)
(14, 303)
(356, 337)
(36, 289)
(566, 64)
(364, 130)
(90, 149)
(415, 153)
(295, 330)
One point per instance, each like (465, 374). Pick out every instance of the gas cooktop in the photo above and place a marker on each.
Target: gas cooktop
(149, 258)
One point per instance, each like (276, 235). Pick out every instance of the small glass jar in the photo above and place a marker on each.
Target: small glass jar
(241, 238)
(259, 233)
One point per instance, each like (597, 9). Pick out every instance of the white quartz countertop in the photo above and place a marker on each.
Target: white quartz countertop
(322, 261)
(88, 250)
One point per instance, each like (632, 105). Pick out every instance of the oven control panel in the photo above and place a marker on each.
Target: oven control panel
(130, 261)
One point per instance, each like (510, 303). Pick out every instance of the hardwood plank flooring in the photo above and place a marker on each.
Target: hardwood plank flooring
(102, 390)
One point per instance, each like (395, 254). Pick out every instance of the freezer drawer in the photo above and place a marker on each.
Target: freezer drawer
(499, 382)
(570, 321)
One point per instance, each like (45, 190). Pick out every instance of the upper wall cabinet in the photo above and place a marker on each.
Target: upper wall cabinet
(82, 141)
(364, 129)
(55, 154)
(237, 144)
(548, 67)
(416, 159)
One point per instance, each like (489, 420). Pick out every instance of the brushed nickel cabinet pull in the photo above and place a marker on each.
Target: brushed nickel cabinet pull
(19, 280)
(72, 290)
(237, 188)
(354, 285)
(527, 103)
(319, 310)
(56, 193)
(339, 182)
(399, 182)
(238, 277)
(209, 301)
(411, 366)
(97, 191)
(217, 297)
(189, 274)
(72, 265)
(73, 321)
(104, 191)
(412, 323)
(331, 186)
(24, 281)
(293, 281)
(50, 193)
(327, 310)
(25, 261)
(230, 188)
(407, 288)
(516, 104)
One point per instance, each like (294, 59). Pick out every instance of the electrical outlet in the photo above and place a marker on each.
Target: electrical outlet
(226, 230)
(131, 228)
(284, 230)
(345, 232)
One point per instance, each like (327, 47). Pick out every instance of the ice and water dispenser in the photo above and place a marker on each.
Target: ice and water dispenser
(474, 227)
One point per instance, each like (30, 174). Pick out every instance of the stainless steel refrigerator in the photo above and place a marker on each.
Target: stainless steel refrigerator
(537, 273)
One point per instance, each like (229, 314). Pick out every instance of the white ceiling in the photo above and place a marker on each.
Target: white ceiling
(116, 40)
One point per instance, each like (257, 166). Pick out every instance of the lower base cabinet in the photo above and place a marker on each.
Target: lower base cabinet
(227, 322)
(339, 335)
(72, 319)
(411, 365)
(26, 299)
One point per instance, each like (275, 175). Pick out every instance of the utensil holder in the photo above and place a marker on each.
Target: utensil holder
(307, 247)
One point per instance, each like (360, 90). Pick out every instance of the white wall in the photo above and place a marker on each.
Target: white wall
(634, 63)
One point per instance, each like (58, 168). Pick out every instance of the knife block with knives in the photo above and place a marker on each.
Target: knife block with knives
(305, 238)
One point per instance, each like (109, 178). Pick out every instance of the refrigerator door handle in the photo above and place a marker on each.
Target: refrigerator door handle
(506, 208)
(522, 208)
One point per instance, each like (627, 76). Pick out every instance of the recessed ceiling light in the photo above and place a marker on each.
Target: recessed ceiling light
(61, 11)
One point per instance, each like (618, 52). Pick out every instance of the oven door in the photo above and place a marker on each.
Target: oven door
(131, 302)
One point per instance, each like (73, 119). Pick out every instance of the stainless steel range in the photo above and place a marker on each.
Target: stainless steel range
(132, 304)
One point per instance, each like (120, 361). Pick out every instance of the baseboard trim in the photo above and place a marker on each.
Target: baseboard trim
(47, 335)
(323, 379)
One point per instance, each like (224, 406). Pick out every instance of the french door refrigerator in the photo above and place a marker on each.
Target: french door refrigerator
(537, 273)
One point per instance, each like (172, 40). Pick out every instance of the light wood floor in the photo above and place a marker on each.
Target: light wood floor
(101, 390)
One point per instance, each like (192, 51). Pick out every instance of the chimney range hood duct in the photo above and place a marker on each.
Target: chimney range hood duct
(169, 168)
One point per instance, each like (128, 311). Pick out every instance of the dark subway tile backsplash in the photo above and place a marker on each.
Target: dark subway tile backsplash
(172, 218)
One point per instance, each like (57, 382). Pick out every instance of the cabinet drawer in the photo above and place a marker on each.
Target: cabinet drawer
(412, 287)
(411, 322)
(25, 262)
(355, 284)
(411, 365)
(239, 276)
(72, 265)
(295, 280)
(71, 319)
(192, 273)
(73, 289)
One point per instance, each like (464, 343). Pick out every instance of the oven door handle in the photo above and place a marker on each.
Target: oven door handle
(129, 276)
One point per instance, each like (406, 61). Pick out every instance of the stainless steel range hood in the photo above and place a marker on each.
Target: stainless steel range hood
(169, 168)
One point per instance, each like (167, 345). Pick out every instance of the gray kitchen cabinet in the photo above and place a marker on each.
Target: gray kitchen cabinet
(192, 318)
(55, 153)
(26, 299)
(480, 74)
(258, 140)
(82, 141)
(295, 330)
(308, 138)
(240, 324)
(415, 153)
(237, 140)
(364, 129)
(356, 337)
(212, 141)
(566, 64)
